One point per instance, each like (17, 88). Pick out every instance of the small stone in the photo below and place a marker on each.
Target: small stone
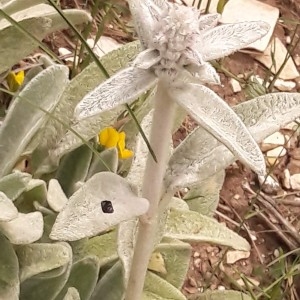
(253, 237)
(268, 57)
(233, 256)
(210, 249)
(284, 86)
(236, 197)
(250, 281)
(288, 39)
(272, 141)
(221, 288)
(295, 182)
(276, 253)
(251, 10)
(297, 60)
(277, 152)
(235, 85)
(196, 254)
(197, 263)
(269, 185)
(291, 126)
(286, 179)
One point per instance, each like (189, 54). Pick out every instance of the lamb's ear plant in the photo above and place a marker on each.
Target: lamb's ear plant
(83, 200)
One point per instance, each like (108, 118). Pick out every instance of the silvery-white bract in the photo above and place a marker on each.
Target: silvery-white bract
(178, 43)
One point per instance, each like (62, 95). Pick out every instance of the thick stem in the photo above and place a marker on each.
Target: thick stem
(161, 131)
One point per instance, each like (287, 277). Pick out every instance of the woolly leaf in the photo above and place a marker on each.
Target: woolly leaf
(192, 226)
(85, 214)
(83, 277)
(159, 289)
(39, 20)
(204, 197)
(10, 51)
(110, 285)
(124, 87)
(18, 5)
(136, 172)
(25, 229)
(109, 157)
(104, 247)
(36, 191)
(73, 168)
(52, 281)
(208, 21)
(9, 271)
(223, 40)
(72, 294)
(221, 295)
(176, 255)
(126, 241)
(7, 209)
(262, 116)
(13, 185)
(38, 258)
(56, 197)
(24, 118)
(79, 86)
(215, 116)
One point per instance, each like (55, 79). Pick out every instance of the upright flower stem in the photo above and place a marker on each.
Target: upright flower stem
(161, 130)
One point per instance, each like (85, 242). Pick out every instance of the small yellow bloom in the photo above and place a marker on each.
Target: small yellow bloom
(14, 80)
(123, 152)
(109, 137)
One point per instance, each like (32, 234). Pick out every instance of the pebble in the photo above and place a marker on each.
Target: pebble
(277, 152)
(221, 288)
(233, 256)
(286, 179)
(196, 254)
(284, 86)
(295, 182)
(297, 60)
(272, 141)
(250, 281)
(276, 253)
(197, 263)
(235, 85)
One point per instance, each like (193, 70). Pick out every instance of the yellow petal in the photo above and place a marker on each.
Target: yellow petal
(125, 153)
(14, 80)
(121, 142)
(109, 137)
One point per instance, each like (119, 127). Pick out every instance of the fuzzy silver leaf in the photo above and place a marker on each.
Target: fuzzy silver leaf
(121, 88)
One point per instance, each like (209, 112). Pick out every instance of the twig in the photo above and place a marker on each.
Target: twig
(270, 206)
(243, 226)
(277, 230)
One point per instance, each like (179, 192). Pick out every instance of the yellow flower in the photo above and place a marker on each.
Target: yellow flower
(14, 80)
(109, 137)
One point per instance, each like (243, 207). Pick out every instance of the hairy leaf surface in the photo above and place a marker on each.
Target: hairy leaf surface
(214, 115)
(201, 155)
(192, 226)
(24, 117)
(84, 216)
